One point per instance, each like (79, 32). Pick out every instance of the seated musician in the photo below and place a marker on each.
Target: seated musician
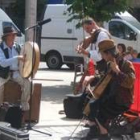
(117, 95)
(9, 69)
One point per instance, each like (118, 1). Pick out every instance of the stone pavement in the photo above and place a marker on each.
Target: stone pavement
(55, 85)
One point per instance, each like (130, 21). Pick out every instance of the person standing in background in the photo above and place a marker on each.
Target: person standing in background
(122, 49)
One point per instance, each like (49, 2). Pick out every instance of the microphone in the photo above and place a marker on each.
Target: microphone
(40, 23)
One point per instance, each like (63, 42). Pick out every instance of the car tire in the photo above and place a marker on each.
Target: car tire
(54, 61)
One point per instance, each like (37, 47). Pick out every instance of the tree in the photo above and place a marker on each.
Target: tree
(100, 10)
(18, 11)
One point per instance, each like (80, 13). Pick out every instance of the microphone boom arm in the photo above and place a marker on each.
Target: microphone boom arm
(39, 24)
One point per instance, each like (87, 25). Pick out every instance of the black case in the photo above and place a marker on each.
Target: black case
(8, 133)
(12, 114)
(73, 106)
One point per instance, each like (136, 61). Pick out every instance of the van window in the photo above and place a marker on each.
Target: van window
(120, 30)
(4, 24)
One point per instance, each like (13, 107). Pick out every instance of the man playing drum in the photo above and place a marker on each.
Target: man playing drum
(9, 66)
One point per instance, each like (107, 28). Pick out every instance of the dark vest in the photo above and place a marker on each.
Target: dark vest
(4, 72)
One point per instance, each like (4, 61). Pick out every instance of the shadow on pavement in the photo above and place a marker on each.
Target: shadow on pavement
(60, 70)
(69, 119)
(56, 93)
(76, 135)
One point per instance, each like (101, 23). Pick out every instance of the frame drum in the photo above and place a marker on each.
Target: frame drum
(32, 59)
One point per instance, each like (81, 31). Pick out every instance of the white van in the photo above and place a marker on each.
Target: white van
(124, 28)
(6, 21)
(59, 37)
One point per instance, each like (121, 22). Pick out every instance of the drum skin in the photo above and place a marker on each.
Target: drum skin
(32, 58)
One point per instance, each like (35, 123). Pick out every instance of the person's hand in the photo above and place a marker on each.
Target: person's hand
(114, 66)
(87, 80)
(22, 57)
(79, 49)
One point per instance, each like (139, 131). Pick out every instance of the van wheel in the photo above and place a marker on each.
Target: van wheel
(71, 66)
(54, 61)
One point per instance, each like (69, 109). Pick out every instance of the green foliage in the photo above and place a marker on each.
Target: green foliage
(18, 8)
(100, 10)
(40, 7)
(18, 11)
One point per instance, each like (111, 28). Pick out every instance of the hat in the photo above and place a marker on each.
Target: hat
(9, 30)
(106, 45)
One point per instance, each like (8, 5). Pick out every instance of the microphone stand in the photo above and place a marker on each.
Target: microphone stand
(29, 127)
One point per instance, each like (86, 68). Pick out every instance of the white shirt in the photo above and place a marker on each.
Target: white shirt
(94, 51)
(12, 61)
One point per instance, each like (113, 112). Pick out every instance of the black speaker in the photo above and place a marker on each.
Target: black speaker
(14, 116)
(73, 106)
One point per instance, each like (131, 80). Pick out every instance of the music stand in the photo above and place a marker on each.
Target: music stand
(29, 127)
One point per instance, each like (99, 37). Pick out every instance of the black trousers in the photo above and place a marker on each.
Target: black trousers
(105, 109)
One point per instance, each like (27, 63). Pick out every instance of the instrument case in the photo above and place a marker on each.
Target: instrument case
(11, 113)
(9, 133)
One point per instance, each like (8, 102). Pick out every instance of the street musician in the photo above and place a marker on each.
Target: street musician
(89, 46)
(9, 66)
(117, 95)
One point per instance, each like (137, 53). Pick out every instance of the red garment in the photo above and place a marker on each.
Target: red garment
(136, 105)
(91, 67)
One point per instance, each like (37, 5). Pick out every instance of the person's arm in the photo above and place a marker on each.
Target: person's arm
(88, 80)
(126, 77)
(6, 62)
(83, 45)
